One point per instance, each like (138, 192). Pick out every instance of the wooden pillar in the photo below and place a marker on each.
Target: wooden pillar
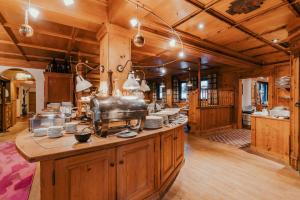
(115, 49)
(295, 114)
(294, 34)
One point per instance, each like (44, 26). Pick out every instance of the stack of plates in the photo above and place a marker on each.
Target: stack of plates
(153, 122)
(284, 82)
(164, 116)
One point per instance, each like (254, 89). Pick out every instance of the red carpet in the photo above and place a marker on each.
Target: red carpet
(16, 174)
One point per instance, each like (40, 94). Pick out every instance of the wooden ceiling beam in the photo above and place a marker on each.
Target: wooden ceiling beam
(267, 53)
(188, 17)
(293, 7)
(253, 48)
(12, 36)
(72, 41)
(263, 34)
(238, 26)
(57, 50)
(39, 30)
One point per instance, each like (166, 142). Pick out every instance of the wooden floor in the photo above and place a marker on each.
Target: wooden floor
(216, 171)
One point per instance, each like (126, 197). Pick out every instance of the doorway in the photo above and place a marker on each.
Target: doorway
(21, 100)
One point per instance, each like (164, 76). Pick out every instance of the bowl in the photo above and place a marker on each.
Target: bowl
(82, 137)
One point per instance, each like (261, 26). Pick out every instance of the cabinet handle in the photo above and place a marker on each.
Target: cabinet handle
(112, 164)
(121, 162)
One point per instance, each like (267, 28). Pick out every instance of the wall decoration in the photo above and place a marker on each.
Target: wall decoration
(244, 6)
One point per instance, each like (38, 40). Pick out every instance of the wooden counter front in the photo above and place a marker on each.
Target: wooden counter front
(106, 168)
(270, 137)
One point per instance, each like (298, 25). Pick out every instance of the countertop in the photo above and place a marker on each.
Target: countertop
(269, 117)
(35, 149)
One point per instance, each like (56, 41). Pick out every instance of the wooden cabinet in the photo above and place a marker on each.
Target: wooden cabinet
(167, 155)
(179, 146)
(86, 177)
(59, 87)
(136, 171)
(172, 152)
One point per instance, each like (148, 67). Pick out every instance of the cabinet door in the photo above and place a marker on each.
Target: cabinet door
(87, 177)
(136, 171)
(179, 146)
(167, 155)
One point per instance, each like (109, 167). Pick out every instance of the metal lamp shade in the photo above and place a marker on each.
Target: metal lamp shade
(144, 86)
(82, 84)
(131, 83)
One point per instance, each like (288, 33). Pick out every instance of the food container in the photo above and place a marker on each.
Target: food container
(83, 135)
(71, 127)
(55, 131)
(39, 132)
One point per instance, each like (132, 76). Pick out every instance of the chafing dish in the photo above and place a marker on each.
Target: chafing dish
(114, 109)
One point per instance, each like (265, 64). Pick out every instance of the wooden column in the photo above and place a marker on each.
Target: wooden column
(169, 99)
(295, 112)
(293, 30)
(115, 49)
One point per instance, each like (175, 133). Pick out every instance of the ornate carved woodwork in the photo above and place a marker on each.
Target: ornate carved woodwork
(244, 6)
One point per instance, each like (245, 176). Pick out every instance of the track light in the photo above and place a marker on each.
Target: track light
(68, 2)
(172, 42)
(34, 12)
(134, 22)
(181, 54)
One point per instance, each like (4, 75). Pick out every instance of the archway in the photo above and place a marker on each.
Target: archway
(19, 99)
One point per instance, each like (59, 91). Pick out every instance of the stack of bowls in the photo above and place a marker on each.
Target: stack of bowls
(55, 131)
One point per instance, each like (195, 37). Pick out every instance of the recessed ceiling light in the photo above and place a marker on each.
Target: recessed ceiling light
(134, 22)
(172, 42)
(201, 26)
(34, 12)
(181, 54)
(68, 2)
(275, 40)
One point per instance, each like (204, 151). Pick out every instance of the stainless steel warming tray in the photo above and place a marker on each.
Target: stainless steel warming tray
(113, 109)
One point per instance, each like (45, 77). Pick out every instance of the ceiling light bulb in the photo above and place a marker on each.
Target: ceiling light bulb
(68, 2)
(275, 40)
(134, 22)
(163, 70)
(34, 12)
(172, 42)
(181, 54)
(200, 26)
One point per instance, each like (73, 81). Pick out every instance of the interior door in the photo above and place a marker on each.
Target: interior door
(167, 155)
(135, 171)
(32, 102)
(87, 177)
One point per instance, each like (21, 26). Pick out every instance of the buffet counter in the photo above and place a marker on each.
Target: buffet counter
(270, 137)
(106, 168)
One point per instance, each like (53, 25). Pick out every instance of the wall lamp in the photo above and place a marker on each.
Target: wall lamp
(144, 86)
(130, 83)
(81, 83)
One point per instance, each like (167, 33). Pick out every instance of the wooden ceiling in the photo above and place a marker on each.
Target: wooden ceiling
(233, 42)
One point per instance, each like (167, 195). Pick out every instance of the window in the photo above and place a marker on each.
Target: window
(175, 90)
(183, 90)
(263, 92)
(204, 88)
(160, 92)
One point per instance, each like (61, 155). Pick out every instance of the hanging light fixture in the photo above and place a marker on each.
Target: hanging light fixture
(25, 29)
(189, 84)
(139, 39)
(82, 84)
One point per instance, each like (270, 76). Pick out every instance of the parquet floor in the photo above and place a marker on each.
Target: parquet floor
(216, 171)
